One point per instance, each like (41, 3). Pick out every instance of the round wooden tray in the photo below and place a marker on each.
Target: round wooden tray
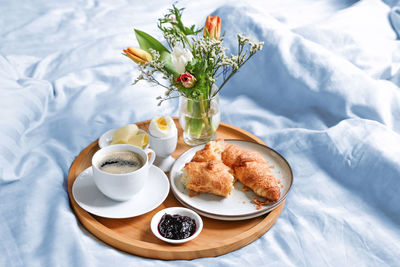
(133, 235)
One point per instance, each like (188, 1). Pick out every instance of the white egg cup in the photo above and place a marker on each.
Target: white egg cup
(164, 147)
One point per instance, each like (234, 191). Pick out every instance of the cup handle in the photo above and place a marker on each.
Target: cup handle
(152, 155)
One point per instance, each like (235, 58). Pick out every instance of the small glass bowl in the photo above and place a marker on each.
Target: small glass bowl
(176, 210)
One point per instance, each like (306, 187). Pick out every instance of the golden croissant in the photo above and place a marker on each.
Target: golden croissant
(212, 167)
(208, 177)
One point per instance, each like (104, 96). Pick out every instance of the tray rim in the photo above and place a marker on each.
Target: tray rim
(164, 252)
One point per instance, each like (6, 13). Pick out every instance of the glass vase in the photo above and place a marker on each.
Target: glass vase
(199, 119)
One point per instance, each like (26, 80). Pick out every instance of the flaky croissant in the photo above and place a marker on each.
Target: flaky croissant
(211, 151)
(259, 178)
(208, 177)
(252, 170)
(211, 171)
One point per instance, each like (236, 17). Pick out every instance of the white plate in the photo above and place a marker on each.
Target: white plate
(238, 205)
(106, 138)
(92, 200)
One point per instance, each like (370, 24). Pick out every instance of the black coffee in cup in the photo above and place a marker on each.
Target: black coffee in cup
(117, 162)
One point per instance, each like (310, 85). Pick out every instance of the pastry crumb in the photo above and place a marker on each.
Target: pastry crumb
(245, 188)
(260, 203)
(194, 194)
(272, 166)
(244, 202)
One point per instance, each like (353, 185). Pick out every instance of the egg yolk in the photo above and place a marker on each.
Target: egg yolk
(162, 124)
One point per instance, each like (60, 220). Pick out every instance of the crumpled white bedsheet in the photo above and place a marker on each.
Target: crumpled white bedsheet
(324, 92)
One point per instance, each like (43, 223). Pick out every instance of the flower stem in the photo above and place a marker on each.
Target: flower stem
(231, 74)
(204, 114)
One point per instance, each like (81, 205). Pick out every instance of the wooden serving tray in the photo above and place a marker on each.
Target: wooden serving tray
(133, 235)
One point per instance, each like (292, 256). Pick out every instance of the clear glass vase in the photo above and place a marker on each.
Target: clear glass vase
(199, 119)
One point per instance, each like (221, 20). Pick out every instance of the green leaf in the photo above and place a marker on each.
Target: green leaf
(146, 42)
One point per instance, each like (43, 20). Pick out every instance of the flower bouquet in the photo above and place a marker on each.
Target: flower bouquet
(190, 69)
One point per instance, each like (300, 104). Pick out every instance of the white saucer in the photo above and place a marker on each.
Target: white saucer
(106, 138)
(164, 164)
(92, 200)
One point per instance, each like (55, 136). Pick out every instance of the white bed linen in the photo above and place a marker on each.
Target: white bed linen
(323, 92)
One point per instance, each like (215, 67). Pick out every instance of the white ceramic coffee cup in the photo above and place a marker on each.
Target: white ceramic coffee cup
(122, 186)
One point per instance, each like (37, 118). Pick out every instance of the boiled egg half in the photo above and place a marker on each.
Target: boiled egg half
(162, 126)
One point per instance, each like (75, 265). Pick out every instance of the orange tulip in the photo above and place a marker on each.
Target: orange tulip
(213, 27)
(138, 55)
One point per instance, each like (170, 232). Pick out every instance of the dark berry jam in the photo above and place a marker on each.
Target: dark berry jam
(176, 226)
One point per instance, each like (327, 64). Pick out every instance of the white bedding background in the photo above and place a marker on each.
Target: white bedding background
(324, 92)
